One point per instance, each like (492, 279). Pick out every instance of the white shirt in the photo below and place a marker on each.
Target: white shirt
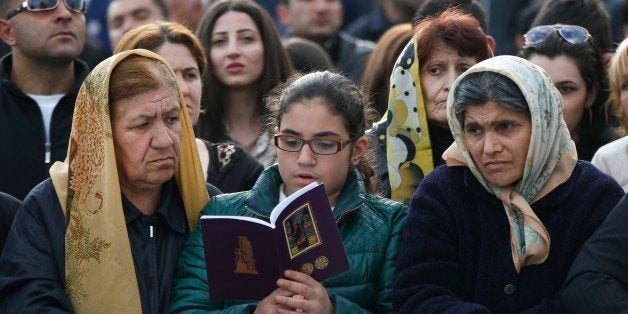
(47, 104)
(612, 159)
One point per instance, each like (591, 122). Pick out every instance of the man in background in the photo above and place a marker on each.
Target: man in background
(320, 21)
(39, 81)
(125, 15)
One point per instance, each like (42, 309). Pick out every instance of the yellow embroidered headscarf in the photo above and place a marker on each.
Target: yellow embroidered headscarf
(99, 269)
(550, 160)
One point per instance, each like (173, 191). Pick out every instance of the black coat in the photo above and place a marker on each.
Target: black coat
(8, 208)
(32, 266)
(598, 279)
(22, 134)
(455, 252)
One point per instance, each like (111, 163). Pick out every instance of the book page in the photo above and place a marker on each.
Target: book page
(251, 219)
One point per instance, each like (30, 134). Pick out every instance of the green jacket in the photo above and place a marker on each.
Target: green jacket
(370, 228)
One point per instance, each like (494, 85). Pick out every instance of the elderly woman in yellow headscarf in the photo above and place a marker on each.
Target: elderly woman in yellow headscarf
(104, 233)
(497, 228)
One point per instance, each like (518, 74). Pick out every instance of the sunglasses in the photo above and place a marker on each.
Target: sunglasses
(571, 33)
(78, 6)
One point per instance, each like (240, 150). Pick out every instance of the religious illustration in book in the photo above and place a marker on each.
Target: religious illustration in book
(301, 231)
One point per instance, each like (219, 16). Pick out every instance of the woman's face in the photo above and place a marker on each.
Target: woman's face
(237, 51)
(566, 77)
(188, 75)
(146, 135)
(438, 72)
(624, 94)
(312, 119)
(498, 139)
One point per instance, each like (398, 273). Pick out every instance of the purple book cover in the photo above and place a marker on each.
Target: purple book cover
(245, 256)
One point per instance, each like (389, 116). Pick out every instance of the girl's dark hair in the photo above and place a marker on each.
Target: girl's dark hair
(597, 124)
(277, 66)
(342, 98)
(478, 88)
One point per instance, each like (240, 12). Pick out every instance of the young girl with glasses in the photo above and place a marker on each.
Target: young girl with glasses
(320, 121)
(573, 61)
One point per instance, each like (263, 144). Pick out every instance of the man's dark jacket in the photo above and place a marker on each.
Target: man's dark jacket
(349, 54)
(22, 134)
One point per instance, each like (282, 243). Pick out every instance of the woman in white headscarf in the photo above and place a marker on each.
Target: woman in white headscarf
(497, 228)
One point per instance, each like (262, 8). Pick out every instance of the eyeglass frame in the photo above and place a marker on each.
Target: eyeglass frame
(24, 7)
(340, 145)
(556, 28)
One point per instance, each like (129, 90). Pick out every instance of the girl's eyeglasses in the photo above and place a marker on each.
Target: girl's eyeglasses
(78, 6)
(571, 33)
(318, 146)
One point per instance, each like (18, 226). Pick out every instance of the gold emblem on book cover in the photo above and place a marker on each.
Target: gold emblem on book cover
(245, 263)
(307, 268)
(321, 262)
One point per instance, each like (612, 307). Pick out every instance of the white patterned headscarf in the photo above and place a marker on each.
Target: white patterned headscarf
(550, 160)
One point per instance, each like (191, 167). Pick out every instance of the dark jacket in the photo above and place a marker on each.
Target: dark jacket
(370, 228)
(598, 279)
(370, 26)
(455, 251)
(349, 54)
(231, 168)
(22, 134)
(8, 208)
(32, 267)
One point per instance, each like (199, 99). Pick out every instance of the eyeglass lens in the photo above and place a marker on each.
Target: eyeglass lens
(40, 5)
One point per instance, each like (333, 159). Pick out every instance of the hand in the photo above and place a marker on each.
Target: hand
(268, 304)
(314, 295)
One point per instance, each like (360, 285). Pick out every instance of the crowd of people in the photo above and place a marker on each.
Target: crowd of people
(474, 152)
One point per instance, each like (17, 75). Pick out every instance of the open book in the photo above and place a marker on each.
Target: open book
(245, 256)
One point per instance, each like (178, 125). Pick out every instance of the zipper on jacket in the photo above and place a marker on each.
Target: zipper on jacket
(47, 157)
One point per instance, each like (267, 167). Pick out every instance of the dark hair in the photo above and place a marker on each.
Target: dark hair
(596, 124)
(136, 75)
(436, 7)
(307, 56)
(455, 29)
(154, 35)
(476, 89)
(277, 66)
(4, 8)
(589, 14)
(376, 76)
(342, 98)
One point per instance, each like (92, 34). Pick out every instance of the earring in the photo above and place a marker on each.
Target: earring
(355, 161)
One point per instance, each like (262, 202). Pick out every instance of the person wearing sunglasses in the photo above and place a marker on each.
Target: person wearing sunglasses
(319, 120)
(39, 81)
(573, 61)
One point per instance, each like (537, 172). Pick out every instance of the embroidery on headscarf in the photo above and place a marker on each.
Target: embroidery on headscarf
(550, 160)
